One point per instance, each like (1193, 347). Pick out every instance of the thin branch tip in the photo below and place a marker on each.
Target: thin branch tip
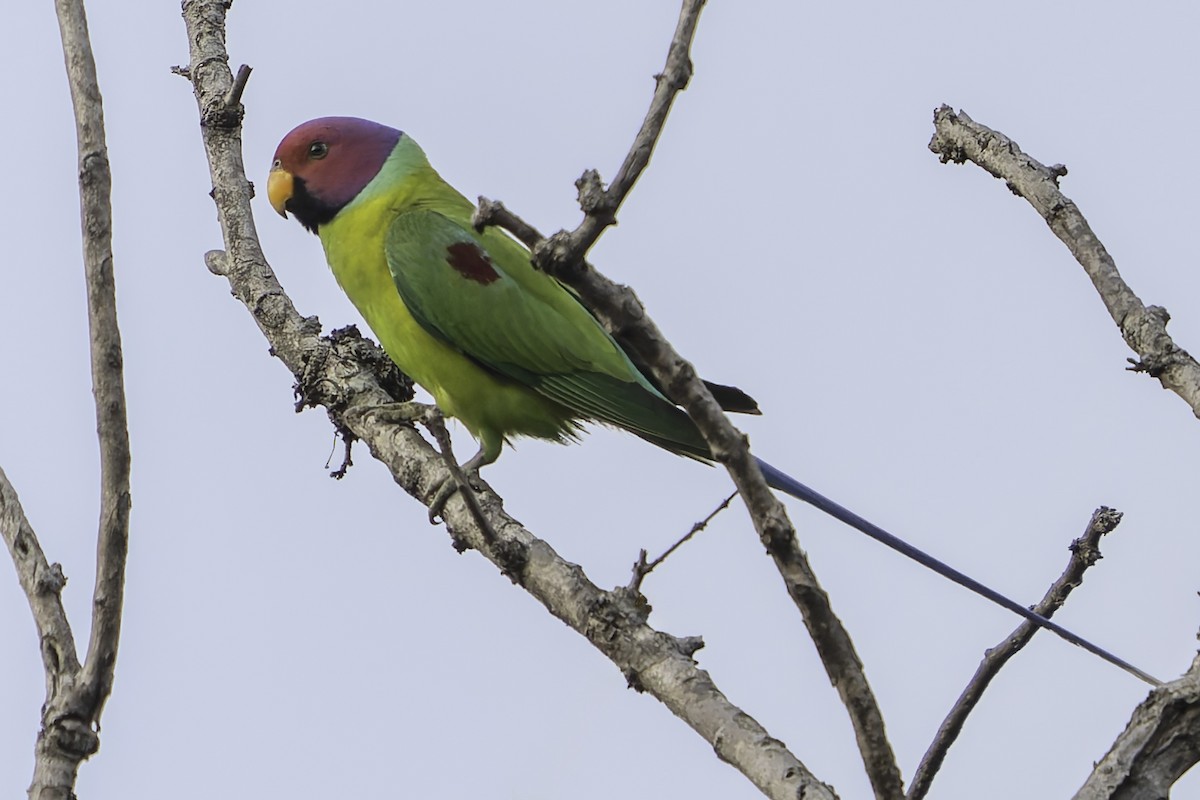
(641, 568)
(1085, 552)
(600, 203)
(233, 97)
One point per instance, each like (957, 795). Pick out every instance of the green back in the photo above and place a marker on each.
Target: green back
(480, 294)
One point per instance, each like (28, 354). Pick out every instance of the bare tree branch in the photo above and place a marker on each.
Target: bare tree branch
(600, 205)
(615, 622)
(959, 138)
(642, 568)
(349, 377)
(66, 737)
(108, 383)
(75, 694)
(42, 583)
(620, 311)
(1085, 551)
(1160, 743)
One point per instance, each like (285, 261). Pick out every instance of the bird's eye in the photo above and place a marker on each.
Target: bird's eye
(318, 150)
(277, 164)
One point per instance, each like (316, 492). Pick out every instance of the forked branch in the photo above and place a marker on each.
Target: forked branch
(76, 693)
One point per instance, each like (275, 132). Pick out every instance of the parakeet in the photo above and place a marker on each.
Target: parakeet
(504, 348)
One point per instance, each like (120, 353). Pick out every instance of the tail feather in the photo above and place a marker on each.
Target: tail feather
(777, 479)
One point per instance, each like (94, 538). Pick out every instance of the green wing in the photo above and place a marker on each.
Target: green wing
(480, 295)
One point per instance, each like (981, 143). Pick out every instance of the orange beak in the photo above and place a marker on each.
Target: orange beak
(279, 189)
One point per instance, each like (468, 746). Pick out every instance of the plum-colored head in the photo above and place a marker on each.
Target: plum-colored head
(323, 164)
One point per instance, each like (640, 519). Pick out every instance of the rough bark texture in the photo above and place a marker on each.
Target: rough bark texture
(57, 754)
(1160, 743)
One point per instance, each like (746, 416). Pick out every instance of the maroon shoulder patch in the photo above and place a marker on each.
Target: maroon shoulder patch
(469, 260)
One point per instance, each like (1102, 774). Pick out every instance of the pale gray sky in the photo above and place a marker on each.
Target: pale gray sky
(924, 349)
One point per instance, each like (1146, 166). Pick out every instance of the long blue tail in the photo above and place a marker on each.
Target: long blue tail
(785, 483)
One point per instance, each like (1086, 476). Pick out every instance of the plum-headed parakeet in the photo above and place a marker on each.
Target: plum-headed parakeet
(501, 346)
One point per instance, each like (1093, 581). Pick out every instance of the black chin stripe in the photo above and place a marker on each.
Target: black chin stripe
(310, 211)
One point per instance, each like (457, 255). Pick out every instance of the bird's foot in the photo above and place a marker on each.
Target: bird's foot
(412, 413)
(460, 477)
(396, 413)
(449, 485)
(464, 477)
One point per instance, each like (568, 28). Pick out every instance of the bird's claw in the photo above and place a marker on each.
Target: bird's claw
(446, 489)
(438, 504)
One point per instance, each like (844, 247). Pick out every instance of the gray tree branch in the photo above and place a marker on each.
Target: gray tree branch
(354, 381)
(1085, 551)
(66, 737)
(958, 138)
(108, 382)
(75, 693)
(1160, 743)
(600, 205)
(42, 583)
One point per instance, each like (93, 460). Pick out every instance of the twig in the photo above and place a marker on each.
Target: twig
(1160, 743)
(641, 569)
(620, 311)
(234, 96)
(42, 583)
(347, 461)
(66, 737)
(346, 381)
(493, 212)
(959, 138)
(600, 205)
(1085, 551)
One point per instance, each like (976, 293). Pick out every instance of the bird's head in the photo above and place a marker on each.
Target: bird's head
(324, 163)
